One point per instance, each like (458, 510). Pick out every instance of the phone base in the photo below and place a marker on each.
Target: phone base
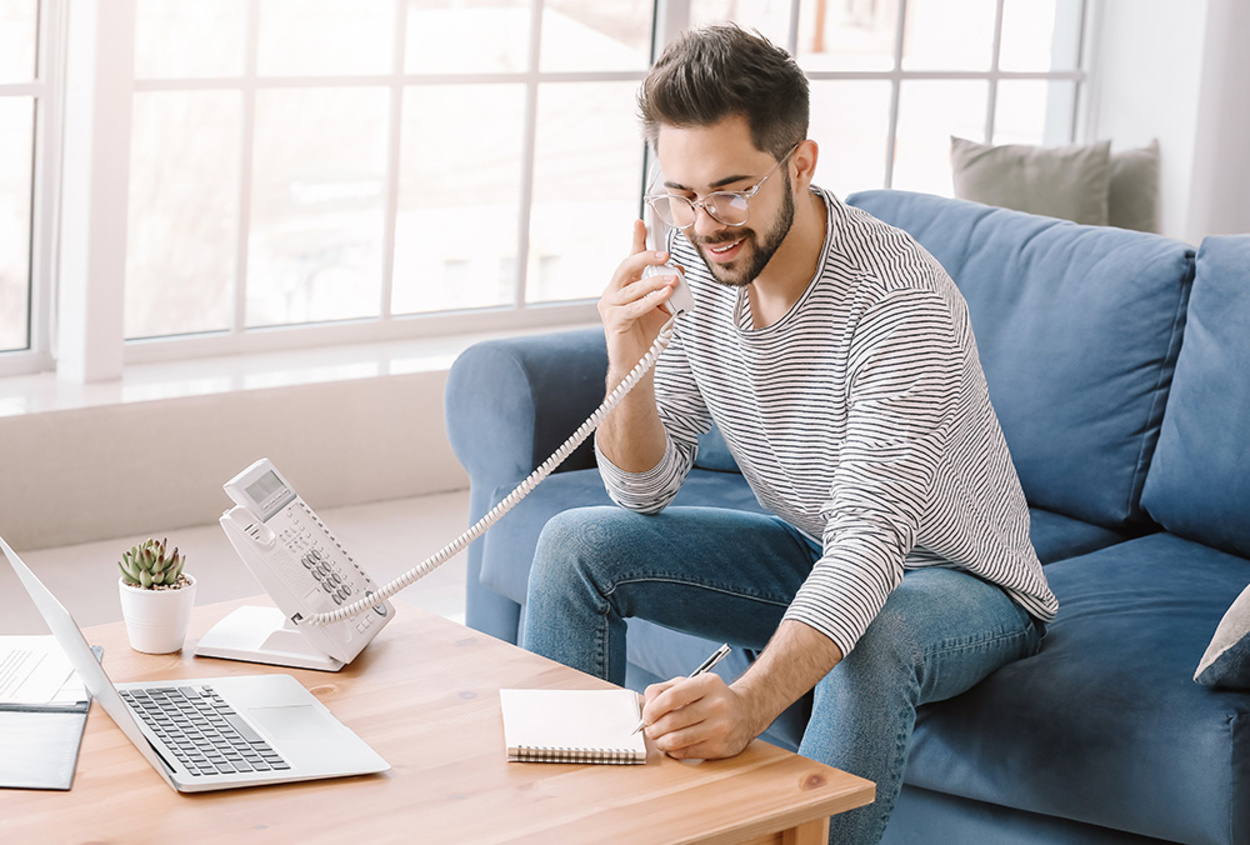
(263, 635)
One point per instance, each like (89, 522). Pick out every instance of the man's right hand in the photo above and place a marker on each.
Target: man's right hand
(630, 305)
(632, 436)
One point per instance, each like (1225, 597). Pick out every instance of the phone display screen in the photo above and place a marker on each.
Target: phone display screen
(266, 491)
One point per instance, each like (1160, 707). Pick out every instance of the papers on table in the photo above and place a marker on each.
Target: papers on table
(36, 676)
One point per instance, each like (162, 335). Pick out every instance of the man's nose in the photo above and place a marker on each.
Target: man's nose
(705, 224)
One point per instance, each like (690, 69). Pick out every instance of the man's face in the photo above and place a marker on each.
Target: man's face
(699, 160)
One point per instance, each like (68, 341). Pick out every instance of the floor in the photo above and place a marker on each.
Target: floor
(385, 538)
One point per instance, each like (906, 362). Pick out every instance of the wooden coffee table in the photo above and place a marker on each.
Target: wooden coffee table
(424, 694)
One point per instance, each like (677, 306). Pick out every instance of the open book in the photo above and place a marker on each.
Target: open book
(572, 726)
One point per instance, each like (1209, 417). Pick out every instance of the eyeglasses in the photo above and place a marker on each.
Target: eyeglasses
(728, 207)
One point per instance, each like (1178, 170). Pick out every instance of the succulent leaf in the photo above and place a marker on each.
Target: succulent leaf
(149, 565)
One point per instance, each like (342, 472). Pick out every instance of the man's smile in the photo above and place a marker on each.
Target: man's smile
(724, 252)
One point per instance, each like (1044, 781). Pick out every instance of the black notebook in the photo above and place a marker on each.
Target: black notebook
(572, 726)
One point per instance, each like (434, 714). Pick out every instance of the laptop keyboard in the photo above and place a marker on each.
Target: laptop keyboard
(204, 732)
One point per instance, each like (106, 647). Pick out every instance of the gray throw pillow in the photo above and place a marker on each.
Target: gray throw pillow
(1133, 201)
(1227, 660)
(1072, 183)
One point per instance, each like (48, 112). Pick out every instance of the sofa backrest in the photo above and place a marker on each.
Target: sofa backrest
(1199, 481)
(714, 454)
(1078, 329)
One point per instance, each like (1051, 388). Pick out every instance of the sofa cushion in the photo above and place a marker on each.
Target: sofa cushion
(1226, 662)
(713, 453)
(1104, 725)
(1133, 197)
(1071, 182)
(1079, 183)
(1056, 536)
(924, 817)
(1078, 328)
(1198, 486)
(513, 539)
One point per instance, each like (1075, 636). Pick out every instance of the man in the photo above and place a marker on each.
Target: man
(837, 359)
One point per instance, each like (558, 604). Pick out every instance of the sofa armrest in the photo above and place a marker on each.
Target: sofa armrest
(510, 403)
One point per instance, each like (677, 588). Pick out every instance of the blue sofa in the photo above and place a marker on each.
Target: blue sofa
(1119, 365)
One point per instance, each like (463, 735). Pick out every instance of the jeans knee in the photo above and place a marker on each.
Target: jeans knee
(570, 543)
(889, 642)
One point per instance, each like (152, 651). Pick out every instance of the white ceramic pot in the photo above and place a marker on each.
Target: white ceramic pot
(156, 620)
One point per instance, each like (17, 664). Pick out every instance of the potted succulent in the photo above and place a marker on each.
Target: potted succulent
(156, 597)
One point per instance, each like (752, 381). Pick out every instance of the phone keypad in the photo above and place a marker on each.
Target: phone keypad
(310, 548)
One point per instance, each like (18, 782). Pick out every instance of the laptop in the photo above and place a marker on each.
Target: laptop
(231, 732)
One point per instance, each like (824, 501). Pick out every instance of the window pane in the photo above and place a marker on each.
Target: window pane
(770, 17)
(325, 37)
(948, 35)
(459, 199)
(439, 30)
(16, 157)
(587, 187)
(318, 199)
(849, 122)
(1040, 35)
(19, 35)
(175, 39)
(847, 35)
(1034, 111)
(182, 234)
(929, 113)
(603, 35)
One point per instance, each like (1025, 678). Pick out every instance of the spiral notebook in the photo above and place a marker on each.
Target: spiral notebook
(572, 726)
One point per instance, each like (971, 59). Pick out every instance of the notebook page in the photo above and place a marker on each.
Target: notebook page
(575, 720)
(34, 671)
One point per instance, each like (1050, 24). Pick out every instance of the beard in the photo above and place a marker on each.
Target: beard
(759, 252)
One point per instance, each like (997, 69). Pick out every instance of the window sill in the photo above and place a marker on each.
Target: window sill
(44, 392)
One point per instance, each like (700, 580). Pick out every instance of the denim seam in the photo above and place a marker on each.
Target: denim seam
(974, 643)
(719, 588)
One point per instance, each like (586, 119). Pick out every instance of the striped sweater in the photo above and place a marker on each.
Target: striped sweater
(861, 417)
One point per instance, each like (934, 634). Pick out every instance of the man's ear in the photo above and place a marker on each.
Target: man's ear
(803, 163)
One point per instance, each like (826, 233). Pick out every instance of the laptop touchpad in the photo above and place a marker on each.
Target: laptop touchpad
(290, 722)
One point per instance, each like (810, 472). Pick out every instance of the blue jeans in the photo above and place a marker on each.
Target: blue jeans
(729, 575)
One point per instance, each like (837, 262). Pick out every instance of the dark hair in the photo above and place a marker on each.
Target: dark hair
(712, 73)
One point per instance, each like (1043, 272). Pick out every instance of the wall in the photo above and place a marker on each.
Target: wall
(1147, 66)
(1220, 193)
(79, 475)
(1178, 70)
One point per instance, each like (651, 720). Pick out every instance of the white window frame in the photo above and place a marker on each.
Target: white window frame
(86, 88)
(45, 189)
(1062, 128)
(92, 345)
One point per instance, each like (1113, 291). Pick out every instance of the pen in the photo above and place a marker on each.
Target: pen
(706, 666)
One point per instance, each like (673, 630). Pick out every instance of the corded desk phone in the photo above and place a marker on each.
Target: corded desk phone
(328, 609)
(305, 570)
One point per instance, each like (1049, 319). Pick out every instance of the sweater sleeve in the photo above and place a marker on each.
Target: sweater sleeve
(903, 396)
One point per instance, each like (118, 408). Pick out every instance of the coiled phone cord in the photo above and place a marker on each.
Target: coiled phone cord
(510, 501)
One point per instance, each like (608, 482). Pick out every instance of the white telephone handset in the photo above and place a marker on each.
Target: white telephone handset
(681, 302)
(300, 563)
